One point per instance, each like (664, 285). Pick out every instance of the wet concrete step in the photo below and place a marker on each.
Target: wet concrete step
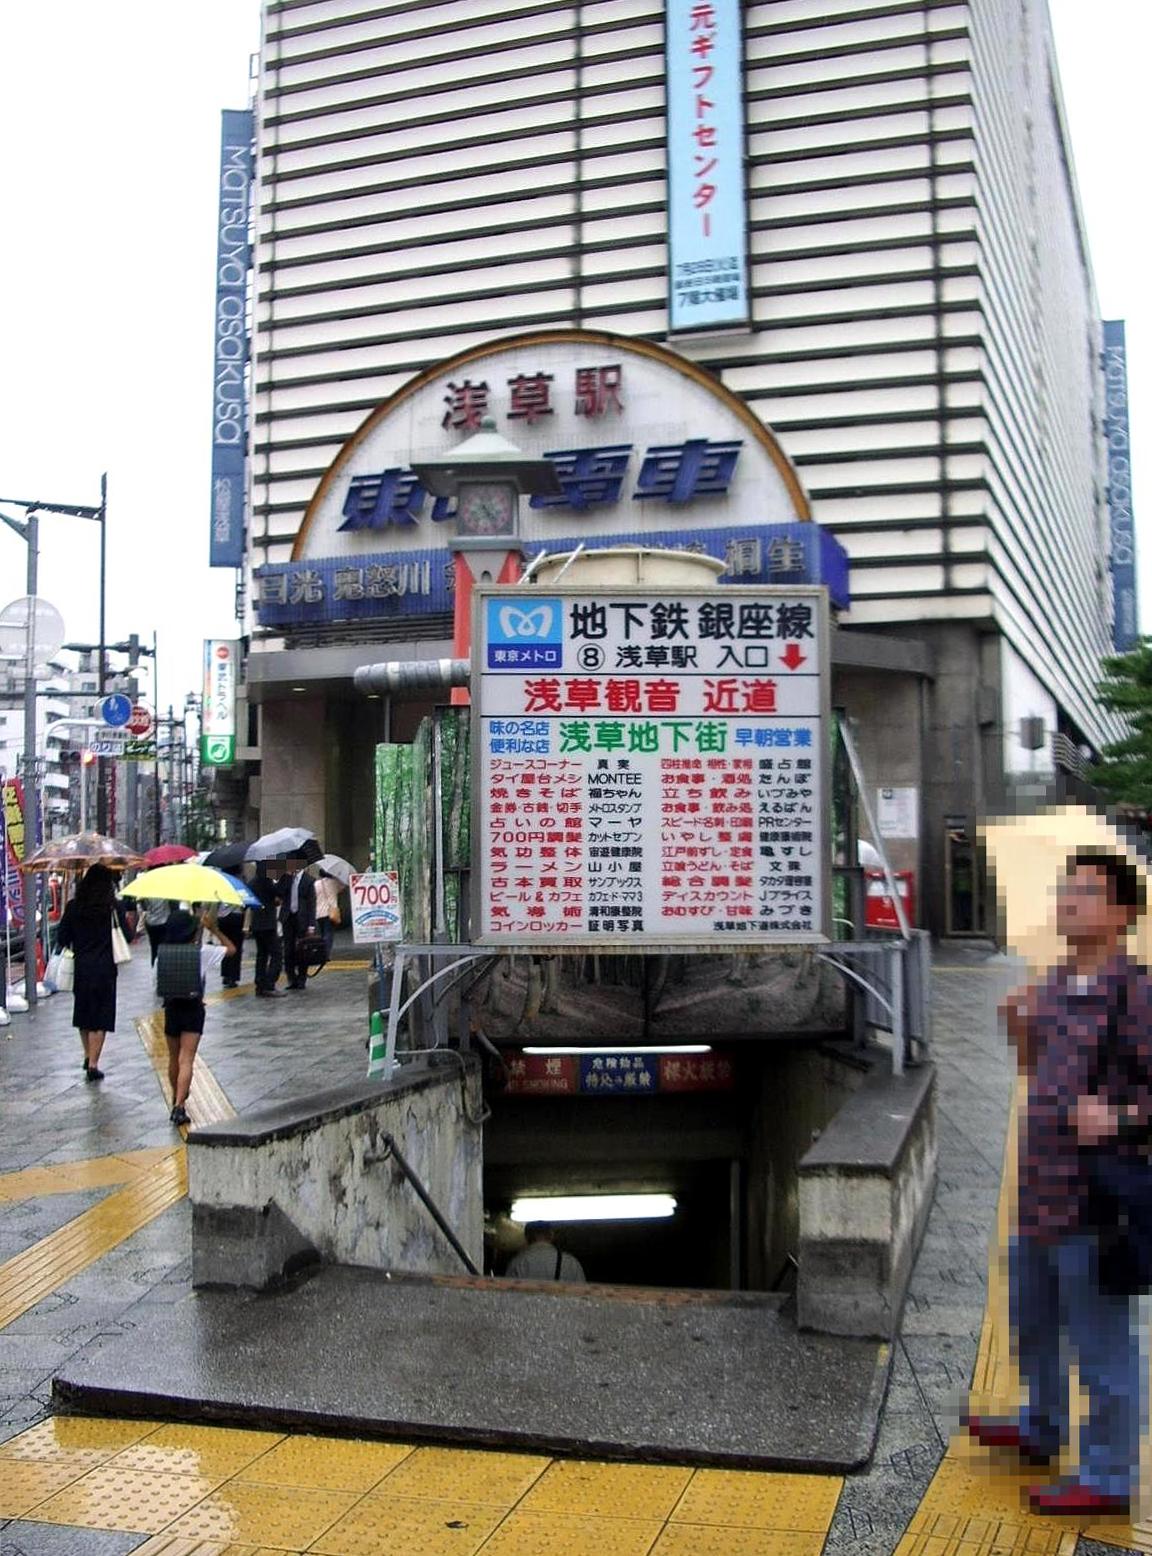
(695, 1378)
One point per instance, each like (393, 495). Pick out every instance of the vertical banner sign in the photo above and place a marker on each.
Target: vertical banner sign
(13, 894)
(650, 768)
(230, 342)
(707, 201)
(218, 725)
(1122, 554)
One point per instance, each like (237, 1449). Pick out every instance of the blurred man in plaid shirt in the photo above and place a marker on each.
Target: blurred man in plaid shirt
(1081, 1251)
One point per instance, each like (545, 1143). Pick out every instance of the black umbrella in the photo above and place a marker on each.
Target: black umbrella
(230, 856)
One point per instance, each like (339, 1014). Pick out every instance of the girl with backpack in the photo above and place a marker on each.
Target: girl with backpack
(182, 966)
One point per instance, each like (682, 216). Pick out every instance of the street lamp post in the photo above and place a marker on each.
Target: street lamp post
(487, 475)
(29, 532)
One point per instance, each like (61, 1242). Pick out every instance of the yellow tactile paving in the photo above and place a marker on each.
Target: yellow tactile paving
(110, 1498)
(182, 1545)
(24, 1484)
(29, 1276)
(745, 1500)
(580, 1486)
(207, 1103)
(976, 1504)
(701, 1540)
(286, 1518)
(219, 1452)
(712, 1540)
(408, 1526)
(80, 1440)
(496, 1479)
(326, 1463)
(98, 1172)
(352, 1497)
(541, 1534)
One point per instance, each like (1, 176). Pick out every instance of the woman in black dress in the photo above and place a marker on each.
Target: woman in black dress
(86, 929)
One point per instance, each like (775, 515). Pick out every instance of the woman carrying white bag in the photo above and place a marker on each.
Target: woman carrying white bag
(94, 928)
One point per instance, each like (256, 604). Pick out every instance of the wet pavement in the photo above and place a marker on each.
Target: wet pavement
(121, 1270)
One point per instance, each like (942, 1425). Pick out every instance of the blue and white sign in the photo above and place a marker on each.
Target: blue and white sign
(230, 352)
(116, 710)
(619, 1074)
(1122, 551)
(707, 199)
(420, 583)
(529, 634)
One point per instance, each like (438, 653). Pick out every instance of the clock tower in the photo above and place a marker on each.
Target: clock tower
(487, 475)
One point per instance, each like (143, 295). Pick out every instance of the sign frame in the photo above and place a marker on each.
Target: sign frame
(218, 734)
(727, 106)
(1121, 525)
(375, 877)
(230, 344)
(716, 942)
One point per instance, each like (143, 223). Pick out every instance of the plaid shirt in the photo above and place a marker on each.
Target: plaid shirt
(1089, 1034)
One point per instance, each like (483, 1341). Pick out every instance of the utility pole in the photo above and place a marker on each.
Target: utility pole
(156, 708)
(101, 664)
(31, 773)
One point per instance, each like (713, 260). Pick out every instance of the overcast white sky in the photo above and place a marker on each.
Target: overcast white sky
(112, 123)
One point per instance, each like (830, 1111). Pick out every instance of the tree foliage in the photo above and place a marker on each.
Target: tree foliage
(1124, 772)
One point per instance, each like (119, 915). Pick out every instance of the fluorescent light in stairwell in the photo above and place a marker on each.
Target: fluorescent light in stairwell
(594, 1207)
(627, 1048)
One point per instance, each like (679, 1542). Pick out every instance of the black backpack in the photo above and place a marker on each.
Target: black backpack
(178, 972)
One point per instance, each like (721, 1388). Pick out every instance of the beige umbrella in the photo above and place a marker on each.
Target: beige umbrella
(79, 851)
(1027, 858)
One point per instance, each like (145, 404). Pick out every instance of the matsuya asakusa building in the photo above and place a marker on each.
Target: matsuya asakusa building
(832, 298)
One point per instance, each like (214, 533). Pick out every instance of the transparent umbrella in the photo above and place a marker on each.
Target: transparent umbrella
(79, 851)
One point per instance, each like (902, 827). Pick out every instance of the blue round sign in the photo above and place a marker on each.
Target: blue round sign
(116, 710)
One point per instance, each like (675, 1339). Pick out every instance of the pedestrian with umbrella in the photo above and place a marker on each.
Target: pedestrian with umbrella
(184, 962)
(297, 892)
(156, 909)
(182, 969)
(88, 928)
(265, 923)
(229, 922)
(334, 873)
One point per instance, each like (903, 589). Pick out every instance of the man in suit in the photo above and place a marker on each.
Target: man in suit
(266, 933)
(297, 891)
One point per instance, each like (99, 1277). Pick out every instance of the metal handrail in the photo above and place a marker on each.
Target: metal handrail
(391, 1151)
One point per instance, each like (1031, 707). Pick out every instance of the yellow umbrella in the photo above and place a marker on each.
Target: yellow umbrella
(185, 883)
(1027, 858)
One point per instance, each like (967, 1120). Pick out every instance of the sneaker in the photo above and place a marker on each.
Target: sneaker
(1069, 1496)
(997, 1432)
(179, 1115)
(270, 994)
(93, 1074)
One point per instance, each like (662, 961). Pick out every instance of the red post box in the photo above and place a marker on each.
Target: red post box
(879, 909)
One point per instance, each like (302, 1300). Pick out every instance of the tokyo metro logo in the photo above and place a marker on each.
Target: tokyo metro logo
(526, 634)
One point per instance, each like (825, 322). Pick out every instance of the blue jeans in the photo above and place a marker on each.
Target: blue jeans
(1059, 1314)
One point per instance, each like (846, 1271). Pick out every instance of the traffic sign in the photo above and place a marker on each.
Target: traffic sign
(108, 742)
(116, 710)
(140, 724)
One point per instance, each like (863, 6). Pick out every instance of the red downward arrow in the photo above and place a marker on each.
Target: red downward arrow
(792, 657)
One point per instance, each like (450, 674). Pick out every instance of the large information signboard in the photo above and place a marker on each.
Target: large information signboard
(650, 768)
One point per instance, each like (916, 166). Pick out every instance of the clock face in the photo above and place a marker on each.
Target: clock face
(486, 508)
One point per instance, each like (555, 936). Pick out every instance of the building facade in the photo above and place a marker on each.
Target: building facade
(923, 344)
